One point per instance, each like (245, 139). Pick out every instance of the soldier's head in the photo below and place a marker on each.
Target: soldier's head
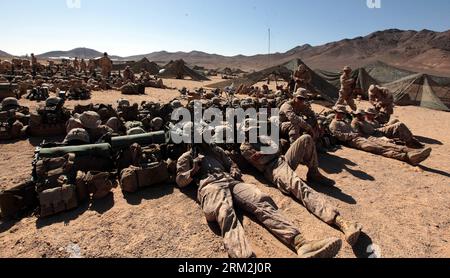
(32, 54)
(105, 54)
(371, 114)
(347, 70)
(359, 114)
(300, 97)
(340, 112)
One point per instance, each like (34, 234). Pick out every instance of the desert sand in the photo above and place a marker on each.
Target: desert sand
(405, 210)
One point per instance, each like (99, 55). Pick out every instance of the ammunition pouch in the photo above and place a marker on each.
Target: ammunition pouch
(56, 200)
(134, 178)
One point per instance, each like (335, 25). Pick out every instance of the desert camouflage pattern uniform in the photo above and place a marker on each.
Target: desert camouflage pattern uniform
(345, 133)
(346, 92)
(292, 123)
(394, 131)
(280, 170)
(217, 194)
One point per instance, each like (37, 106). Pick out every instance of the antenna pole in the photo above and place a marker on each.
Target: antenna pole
(268, 56)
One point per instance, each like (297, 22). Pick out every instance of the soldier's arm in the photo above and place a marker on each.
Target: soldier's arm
(295, 119)
(184, 170)
(342, 135)
(225, 159)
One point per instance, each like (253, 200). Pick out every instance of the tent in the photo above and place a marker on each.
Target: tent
(285, 72)
(145, 64)
(422, 90)
(385, 73)
(362, 77)
(179, 70)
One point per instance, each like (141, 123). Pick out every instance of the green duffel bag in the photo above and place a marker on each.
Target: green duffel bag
(123, 142)
(97, 150)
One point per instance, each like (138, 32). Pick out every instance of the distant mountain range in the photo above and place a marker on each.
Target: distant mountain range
(420, 51)
(3, 54)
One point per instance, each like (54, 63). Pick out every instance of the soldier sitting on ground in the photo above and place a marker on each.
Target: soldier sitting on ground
(221, 189)
(344, 132)
(398, 131)
(280, 171)
(297, 117)
(383, 101)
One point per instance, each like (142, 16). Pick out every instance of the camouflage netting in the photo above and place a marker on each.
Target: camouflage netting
(179, 70)
(362, 77)
(385, 73)
(285, 72)
(422, 90)
(145, 64)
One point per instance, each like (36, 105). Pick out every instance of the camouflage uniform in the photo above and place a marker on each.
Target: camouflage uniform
(292, 120)
(344, 133)
(280, 170)
(219, 191)
(76, 65)
(346, 92)
(302, 78)
(395, 131)
(106, 65)
(381, 99)
(83, 66)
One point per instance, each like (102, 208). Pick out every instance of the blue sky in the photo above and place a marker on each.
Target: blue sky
(226, 27)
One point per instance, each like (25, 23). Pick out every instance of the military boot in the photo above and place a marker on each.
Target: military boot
(415, 144)
(317, 249)
(352, 230)
(314, 176)
(416, 157)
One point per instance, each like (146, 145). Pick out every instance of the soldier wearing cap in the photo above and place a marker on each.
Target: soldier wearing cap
(83, 66)
(396, 130)
(302, 77)
(344, 132)
(347, 86)
(383, 101)
(34, 64)
(128, 75)
(76, 64)
(106, 66)
(297, 117)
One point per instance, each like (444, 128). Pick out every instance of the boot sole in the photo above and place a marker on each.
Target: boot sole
(421, 157)
(328, 251)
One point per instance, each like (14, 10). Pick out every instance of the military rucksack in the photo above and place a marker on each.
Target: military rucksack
(16, 201)
(134, 178)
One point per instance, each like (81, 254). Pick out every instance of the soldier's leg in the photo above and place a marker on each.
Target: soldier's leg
(264, 209)
(288, 181)
(398, 130)
(303, 151)
(290, 131)
(252, 200)
(351, 102)
(217, 204)
(380, 147)
(341, 99)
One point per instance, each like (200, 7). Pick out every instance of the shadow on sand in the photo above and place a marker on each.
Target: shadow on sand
(334, 164)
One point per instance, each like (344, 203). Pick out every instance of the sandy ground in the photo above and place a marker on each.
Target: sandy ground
(405, 210)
